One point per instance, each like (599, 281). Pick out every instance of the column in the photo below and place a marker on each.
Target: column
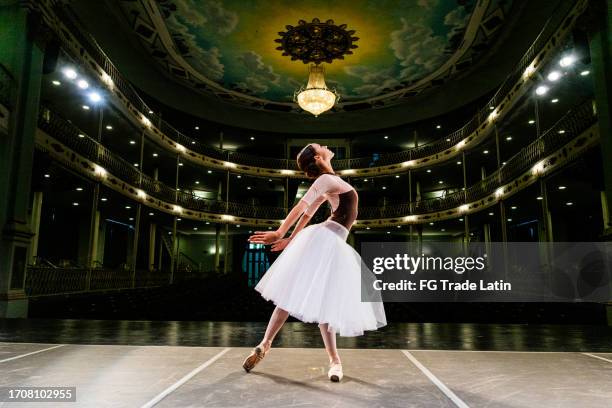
(35, 224)
(218, 232)
(152, 236)
(226, 251)
(419, 226)
(466, 223)
(23, 42)
(605, 215)
(600, 44)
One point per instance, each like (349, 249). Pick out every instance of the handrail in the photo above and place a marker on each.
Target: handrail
(426, 150)
(572, 124)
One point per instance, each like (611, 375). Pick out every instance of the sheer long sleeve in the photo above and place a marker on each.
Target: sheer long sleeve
(322, 185)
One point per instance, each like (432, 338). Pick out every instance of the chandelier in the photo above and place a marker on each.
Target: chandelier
(316, 98)
(316, 42)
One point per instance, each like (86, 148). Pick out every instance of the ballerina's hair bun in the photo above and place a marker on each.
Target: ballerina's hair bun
(306, 161)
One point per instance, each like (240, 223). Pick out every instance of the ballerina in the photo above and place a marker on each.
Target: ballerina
(318, 277)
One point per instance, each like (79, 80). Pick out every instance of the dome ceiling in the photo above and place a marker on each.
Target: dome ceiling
(228, 48)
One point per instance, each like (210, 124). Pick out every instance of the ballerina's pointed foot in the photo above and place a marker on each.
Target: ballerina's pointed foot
(335, 372)
(257, 354)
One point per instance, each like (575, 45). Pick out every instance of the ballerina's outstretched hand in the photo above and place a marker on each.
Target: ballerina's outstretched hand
(280, 245)
(265, 237)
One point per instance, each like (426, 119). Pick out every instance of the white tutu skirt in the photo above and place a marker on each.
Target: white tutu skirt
(318, 278)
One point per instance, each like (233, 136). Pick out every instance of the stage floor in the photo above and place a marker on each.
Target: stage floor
(183, 376)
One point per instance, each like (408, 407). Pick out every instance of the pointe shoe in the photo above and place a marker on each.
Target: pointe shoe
(335, 372)
(257, 354)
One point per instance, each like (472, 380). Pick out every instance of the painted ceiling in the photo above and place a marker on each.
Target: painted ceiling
(228, 47)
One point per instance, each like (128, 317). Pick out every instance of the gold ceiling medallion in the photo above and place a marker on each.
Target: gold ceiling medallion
(314, 43)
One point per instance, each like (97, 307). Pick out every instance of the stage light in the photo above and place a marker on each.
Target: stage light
(127, 207)
(397, 176)
(531, 121)
(561, 131)
(79, 189)
(562, 187)
(56, 83)
(85, 107)
(81, 135)
(509, 138)
(386, 137)
(109, 127)
(440, 182)
(252, 138)
(438, 127)
(384, 187)
(100, 171)
(428, 170)
(513, 207)
(541, 90)
(94, 97)
(554, 100)
(75, 204)
(567, 61)
(151, 214)
(209, 171)
(585, 73)
(155, 154)
(83, 84)
(539, 198)
(553, 76)
(491, 214)
(69, 73)
(47, 175)
(132, 142)
(569, 203)
(485, 151)
(458, 162)
(104, 199)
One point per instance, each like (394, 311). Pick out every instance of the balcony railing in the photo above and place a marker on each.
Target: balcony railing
(572, 125)
(41, 281)
(93, 49)
(70, 136)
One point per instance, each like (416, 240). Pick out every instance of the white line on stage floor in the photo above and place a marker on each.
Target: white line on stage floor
(598, 357)
(29, 354)
(451, 395)
(183, 380)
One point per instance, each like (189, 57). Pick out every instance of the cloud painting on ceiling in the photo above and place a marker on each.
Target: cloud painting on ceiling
(230, 44)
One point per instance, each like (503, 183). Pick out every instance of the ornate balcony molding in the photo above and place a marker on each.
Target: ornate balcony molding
(546, 154)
